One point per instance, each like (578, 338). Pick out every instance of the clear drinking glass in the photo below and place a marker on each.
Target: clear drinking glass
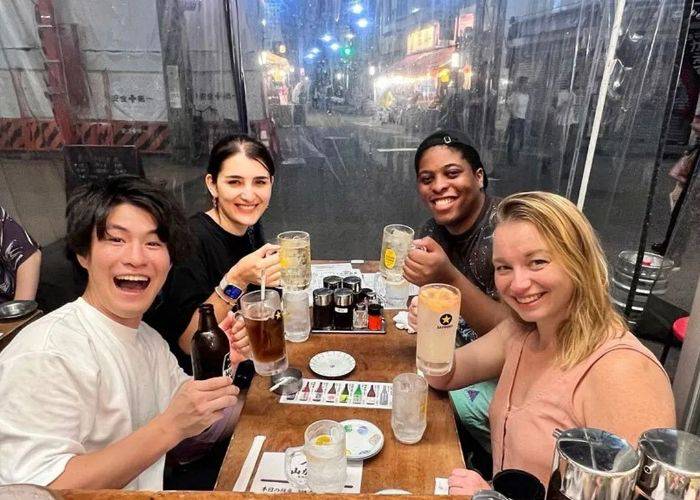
(409, 408)
(295, 312)
(438, 317)
(295, 259)
(263, 321)
(324, 450)
(396, 243)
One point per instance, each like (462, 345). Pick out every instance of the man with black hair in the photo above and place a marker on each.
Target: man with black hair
(92, 396)
(455, 248)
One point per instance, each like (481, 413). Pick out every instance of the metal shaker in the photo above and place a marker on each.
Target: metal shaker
(670, 465)
(592, 464)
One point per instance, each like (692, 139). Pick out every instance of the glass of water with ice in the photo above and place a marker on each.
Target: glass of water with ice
(409, 409)
(324, 453)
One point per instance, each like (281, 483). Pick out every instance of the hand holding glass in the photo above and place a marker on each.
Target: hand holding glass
(295, 259)
(396, 243)
(263, 321)
(438, 316)
(324, 449)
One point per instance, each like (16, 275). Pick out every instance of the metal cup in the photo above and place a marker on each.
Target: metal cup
(670, 464)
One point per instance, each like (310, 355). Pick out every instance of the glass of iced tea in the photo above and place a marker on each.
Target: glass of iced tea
(295, 259)
(263, 321)
(438, 317)
(396, 243)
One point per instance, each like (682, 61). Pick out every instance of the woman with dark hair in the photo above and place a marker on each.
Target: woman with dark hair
(229, 249)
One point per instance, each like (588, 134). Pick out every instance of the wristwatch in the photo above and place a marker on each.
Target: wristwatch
(229, 289)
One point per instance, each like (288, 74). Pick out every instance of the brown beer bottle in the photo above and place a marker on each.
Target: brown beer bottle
(210, 347)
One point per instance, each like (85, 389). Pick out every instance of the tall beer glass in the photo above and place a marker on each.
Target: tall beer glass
(396, 243)
(263, 320)
(295, 259)
(438, 316)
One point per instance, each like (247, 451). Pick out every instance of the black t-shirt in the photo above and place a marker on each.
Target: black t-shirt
(470, 252)
(193, 280)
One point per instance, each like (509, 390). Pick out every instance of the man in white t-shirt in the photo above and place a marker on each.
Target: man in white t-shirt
(91, 396)
(517, 105)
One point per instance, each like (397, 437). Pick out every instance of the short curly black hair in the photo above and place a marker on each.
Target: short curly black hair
(90, 205)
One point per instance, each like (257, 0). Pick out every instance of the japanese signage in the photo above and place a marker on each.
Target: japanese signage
(423, 39)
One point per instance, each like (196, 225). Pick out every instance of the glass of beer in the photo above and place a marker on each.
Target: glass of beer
(295, 259)
(396, 243)
(263, 321)
(324, 454)
(438, 316)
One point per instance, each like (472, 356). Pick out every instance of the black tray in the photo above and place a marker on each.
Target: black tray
(363, 330)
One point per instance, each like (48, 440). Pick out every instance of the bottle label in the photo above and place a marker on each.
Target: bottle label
(226, 368)
(389, 258)
(342, 310)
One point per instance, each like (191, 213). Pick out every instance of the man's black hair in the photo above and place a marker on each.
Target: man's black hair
(456, 140)
(90, 205)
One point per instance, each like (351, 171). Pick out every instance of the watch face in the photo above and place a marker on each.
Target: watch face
(233, 291)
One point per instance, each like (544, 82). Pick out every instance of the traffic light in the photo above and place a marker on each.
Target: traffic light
(348, 51)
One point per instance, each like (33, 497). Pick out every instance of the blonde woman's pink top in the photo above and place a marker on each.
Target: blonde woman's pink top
(521, 436)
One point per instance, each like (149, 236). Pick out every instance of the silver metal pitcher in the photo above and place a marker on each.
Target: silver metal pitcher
(592, 464)
(670, 465)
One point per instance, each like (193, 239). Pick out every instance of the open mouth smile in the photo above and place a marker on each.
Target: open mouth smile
(132, 282)
(529, 299)
(443, 202)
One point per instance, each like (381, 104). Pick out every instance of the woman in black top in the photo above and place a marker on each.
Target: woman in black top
(229, 249)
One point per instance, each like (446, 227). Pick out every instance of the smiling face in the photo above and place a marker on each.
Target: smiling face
(128, 267)
(528, 275)
(450, 188)
(242, 190)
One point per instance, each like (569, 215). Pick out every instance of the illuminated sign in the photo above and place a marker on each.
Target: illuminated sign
(422, 39)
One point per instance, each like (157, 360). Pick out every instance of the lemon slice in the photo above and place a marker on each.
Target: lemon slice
(322, 440)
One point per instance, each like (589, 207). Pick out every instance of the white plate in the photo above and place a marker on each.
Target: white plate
(363, 439)
(332, 364)
(393, 492)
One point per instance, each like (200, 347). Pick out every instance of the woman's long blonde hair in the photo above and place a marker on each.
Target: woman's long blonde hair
(592, 318)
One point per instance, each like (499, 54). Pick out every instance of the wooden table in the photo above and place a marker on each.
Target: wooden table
(10, 327)
(379, 357)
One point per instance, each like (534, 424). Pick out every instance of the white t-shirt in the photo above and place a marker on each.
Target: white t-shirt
(74, 382)
(518, 104)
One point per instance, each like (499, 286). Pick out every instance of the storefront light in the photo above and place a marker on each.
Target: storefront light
(315, 50)
(372, 70)
(349, 36)
(362, 23)
(334, 46)
(327, 38)
(338, 76)
(357, 8)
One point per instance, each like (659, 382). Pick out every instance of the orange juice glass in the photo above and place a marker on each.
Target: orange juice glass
(438, 316)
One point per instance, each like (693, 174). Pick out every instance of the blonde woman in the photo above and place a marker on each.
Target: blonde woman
(565, 359)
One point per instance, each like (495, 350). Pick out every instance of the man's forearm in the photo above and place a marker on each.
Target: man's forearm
(480, 311)
(121, 462)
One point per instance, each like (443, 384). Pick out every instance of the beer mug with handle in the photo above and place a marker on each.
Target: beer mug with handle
(326, 463)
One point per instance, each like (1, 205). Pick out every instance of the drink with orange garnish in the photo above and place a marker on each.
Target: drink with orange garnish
(438, 316)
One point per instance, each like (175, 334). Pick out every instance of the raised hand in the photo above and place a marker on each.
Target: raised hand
(428, 263)
(249, 269)
(234, 328)
(198, 404)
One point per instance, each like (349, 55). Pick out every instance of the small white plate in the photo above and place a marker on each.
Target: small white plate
(393, 492)
(363, 439)
(332, 364)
